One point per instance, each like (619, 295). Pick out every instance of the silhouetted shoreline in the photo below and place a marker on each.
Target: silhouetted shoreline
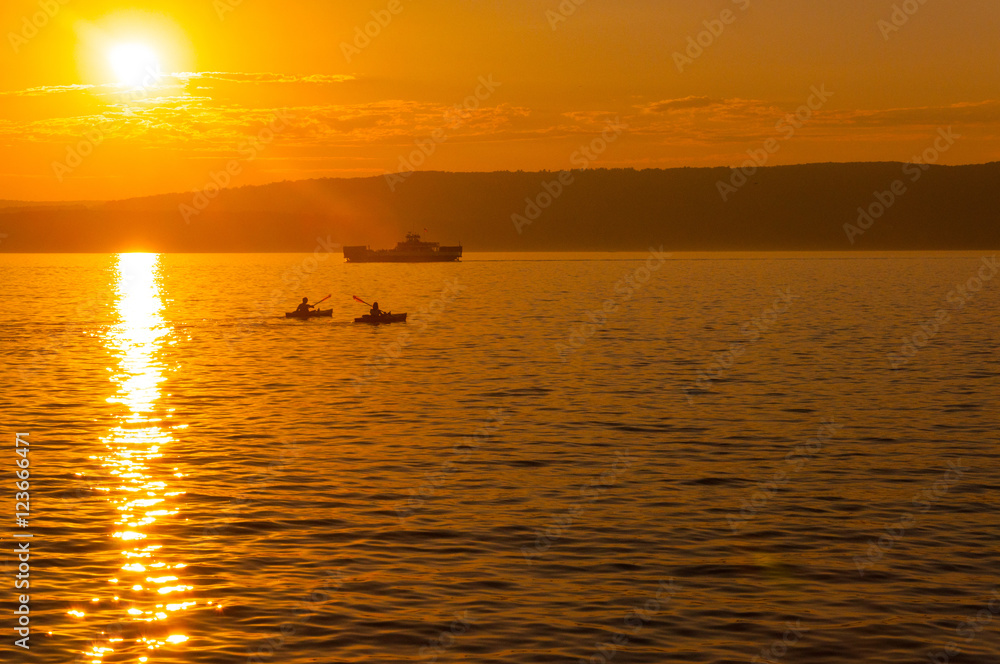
(812, 207)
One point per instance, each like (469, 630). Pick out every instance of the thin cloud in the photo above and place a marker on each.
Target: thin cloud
(268, 77)
(47, 90)
(668, 105)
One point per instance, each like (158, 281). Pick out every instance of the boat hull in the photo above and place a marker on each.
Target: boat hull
(381, 320)
(366, 255)
(323, 313)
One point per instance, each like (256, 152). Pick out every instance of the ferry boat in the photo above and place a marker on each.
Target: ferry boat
(411, 250)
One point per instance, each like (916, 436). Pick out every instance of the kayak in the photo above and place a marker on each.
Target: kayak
(322, 313)
(380, 320)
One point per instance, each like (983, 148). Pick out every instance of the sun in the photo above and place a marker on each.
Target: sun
(135, 65)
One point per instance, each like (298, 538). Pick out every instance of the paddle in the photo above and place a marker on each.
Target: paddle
(383, 313)
(323, 300)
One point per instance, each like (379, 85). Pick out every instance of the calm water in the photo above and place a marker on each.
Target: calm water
(709, 471)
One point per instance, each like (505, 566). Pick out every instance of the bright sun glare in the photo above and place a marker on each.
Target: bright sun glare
(135, 65)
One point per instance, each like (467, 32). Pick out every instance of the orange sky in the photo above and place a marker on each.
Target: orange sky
(231, 68)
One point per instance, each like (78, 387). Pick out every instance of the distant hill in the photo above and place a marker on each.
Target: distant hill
(23, 204)
(801, 207)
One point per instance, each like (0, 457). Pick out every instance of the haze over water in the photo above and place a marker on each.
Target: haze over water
(211, 483)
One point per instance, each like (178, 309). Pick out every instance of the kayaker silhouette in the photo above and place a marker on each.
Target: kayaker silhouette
(376, 312)
(305, 306)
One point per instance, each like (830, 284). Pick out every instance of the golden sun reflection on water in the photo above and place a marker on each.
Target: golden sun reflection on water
(136, 477)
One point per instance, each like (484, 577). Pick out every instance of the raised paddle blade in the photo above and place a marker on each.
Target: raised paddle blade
(360, 300)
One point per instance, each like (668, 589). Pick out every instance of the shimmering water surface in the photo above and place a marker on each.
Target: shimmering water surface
(722, 464)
